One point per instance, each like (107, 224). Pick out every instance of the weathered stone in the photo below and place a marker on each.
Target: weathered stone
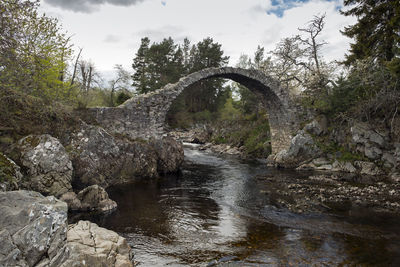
(94, 155)
(10, 175)
(363, 133)
(46, 164)
(389, 160)
(99, 158)
(302, 148)
(91, 245)
(317, 126)
(395, 177)
(96, 198)
(144, 115)
(33, 231)
(343, 167)
(372, 152)
(72, 201)
(320, 161)
(169, 155)
(368, 168)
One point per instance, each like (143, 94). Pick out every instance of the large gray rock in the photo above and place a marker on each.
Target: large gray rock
(91, 245)
(10, 175)
(363, 133)
(99, 158)
(33, 229)
(92, 198)
(170, 155)
(96, 198)
(46, 164)
(94, 155)
(302, 148)
(368, 168)
(318, 126)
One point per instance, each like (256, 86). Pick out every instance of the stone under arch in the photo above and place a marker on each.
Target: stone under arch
(144, 116)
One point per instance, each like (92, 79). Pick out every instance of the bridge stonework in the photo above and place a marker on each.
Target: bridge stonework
(143, 116)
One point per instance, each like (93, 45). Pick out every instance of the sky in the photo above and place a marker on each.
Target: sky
(109, 31)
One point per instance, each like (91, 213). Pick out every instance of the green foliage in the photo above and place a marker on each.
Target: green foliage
(33, 51)
(203, 116)
(341, 153)
(7, 172)
(122, 97)
(376, 32)
(371, 90)
(22, 115)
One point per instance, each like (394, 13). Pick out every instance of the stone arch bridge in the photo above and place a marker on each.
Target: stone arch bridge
(144, 116)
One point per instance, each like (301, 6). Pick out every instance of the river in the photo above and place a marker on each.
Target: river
(214, 214)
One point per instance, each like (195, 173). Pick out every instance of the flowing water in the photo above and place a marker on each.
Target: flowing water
(214, 214)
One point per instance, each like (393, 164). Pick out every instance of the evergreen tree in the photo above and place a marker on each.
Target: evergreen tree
(376, 32)
(140, 66)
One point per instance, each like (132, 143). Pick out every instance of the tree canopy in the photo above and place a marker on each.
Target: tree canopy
(377, 31)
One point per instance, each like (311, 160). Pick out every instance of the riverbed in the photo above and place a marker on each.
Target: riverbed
(218, 212)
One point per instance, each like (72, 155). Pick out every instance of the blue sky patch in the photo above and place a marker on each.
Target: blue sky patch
(279, 6)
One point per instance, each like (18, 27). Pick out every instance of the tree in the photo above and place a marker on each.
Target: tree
(33, 50)
(120, 82)
(297, 61)
(140, 66)
(376, 32)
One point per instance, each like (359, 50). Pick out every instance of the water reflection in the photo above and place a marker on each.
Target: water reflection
(214, 213)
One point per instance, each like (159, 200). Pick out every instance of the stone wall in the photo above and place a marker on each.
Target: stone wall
(144, 116)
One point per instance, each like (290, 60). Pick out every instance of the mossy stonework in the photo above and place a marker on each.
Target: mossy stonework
(144, 116)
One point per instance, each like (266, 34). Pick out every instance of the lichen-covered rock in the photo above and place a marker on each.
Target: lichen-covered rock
(363, 133)
(46, 164)
(318, 126)
(170, 155)
(99, 158)
(10, 175)
(94, 155)
(92, 198)
(33, 229)
(96, 198)
(368, 168)
(302, 148)
(72, 200)
(91, 245)
(138, 159)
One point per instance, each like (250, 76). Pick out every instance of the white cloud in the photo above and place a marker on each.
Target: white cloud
(238, 25)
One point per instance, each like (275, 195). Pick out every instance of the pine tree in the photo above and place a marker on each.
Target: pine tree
(376, 32)
(140, 66)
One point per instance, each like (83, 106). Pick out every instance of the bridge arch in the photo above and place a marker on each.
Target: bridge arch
(144, 115)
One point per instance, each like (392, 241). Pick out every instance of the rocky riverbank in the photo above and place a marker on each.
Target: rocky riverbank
(332, 192)
(34, 232)
(66, 164)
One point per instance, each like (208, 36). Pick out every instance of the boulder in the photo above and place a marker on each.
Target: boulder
(91, 245)
(74, 204)
(100, 158)
(302, 148)
(395, 177)
(343, 167)
(96, 198)
(372, 152)
(363, 133)
(139, 160)
(389, 160)
(368, 168)
(94, 155)
(46, 164)
(92, 198)
(169, 155)
(10, 175)
(33, 229)
(318, 126)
